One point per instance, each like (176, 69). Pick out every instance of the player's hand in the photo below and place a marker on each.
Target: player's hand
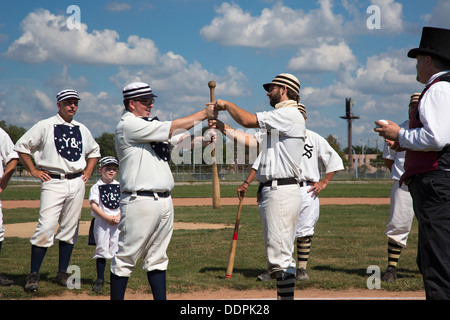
(388, 131)
(40, 174)
(316, 188)
(217, 124)
(210, 112)
(114, 220)
(242, 191)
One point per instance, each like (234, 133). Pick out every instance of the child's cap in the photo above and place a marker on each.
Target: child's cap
(107, 161)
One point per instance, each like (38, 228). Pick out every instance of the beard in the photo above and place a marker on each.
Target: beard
(274, 99)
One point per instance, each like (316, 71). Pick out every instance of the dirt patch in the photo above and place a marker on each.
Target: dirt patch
(11, 204)
(26, 230)
(228, 294)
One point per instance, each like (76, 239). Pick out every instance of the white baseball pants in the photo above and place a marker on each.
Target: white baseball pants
(401, 214)
(146, 228)
(106, 239)
(279, 208)
(61, 203)
(309, 214)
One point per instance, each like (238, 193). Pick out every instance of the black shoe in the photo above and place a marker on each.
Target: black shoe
(5, 282)
(32, 284)
(98, 285)
(390, 275)
(264, 277)
(61, 278)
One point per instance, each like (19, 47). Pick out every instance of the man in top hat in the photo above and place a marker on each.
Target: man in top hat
(401, 209)
(146, 182)
(60, 147)
(427, 162)
(277, 167)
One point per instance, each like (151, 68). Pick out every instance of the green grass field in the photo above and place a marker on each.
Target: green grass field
(348, 239)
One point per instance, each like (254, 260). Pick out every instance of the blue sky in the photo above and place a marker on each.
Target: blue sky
(177, 46)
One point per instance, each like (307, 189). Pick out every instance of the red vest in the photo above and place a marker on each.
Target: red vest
(417, 162)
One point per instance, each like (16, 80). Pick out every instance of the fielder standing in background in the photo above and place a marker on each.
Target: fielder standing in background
(316, 151)
(401, 209)
(60, 146)
(146, 182)
(9, 158)
(427, 161)
(278, 170)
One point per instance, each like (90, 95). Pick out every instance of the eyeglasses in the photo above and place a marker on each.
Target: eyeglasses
(146, 102)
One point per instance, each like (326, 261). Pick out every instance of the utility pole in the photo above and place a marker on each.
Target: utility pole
(349, 117)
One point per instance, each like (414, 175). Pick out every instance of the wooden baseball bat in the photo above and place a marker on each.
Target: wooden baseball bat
(234, 243)
(215, 171)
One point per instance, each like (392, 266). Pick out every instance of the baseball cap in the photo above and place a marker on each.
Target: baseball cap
(284, 79)
(107, 161)
(138, 90)
(67, 94)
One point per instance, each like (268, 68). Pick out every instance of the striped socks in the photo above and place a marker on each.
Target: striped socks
(303, 249)
(394, 251)
(285, 285)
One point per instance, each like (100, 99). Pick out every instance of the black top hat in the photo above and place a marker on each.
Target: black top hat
(434, 41)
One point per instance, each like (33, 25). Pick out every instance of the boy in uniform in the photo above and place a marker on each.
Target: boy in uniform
(104, 199)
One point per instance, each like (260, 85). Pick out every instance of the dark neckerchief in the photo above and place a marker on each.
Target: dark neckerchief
(160, 148)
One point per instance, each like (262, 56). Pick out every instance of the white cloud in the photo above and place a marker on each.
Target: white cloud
(44, 100)
(326, 57)
(391, 15)
(387, 73)
(439, 15)
(118, 6)
(46, 38)
(277, 26)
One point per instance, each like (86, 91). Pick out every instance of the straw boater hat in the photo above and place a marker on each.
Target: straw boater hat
(284, 79)
(434, 41)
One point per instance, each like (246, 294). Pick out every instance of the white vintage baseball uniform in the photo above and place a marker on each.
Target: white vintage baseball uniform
(401, 211)
(282, 139)
(107, 197)
(317, 151)
(146, 220)
(60, 148)
(7, 154)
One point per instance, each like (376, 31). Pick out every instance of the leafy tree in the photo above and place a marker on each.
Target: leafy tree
(13, 131)
(107, 144)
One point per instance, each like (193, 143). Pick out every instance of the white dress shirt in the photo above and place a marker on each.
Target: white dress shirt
(435, 133)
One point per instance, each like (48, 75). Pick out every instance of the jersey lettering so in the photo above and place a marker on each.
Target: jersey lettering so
(110, 195)
(68, 142)
(308, 151)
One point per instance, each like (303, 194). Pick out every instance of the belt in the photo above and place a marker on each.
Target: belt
(280, 182)
(63, 176)
(165, 194)
(306, 183)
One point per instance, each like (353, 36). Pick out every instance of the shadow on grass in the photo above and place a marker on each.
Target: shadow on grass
(247, 273)
(401, 272)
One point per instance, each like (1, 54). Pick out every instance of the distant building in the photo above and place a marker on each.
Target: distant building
(363, 160)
